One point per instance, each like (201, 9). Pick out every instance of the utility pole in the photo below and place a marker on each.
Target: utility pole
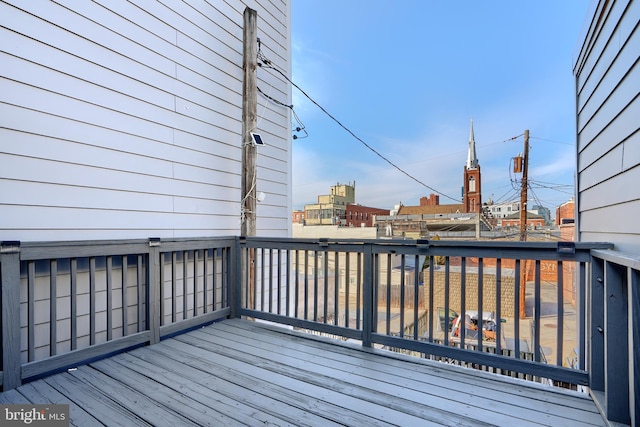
(249, 150)
(523, 222)
(249, 122)
(523, 193)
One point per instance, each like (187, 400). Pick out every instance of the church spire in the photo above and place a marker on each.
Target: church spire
(472, 160)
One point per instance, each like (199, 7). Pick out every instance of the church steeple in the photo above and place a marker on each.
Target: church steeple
(472, 193)
(472, 160)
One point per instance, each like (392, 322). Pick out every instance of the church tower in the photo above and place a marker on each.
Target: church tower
(471, 191)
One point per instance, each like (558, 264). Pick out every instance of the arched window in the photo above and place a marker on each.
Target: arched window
(472, 185)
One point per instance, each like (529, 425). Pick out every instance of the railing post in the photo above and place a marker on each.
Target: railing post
(595, 330)
(634, 313)
(236, 279)
(153, 301)
(367, 295)
(616, 350)
(10, 283)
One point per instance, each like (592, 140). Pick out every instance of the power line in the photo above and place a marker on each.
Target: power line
(551, 140)
(267, 64)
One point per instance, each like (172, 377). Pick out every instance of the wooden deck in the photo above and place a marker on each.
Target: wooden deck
(238, 372)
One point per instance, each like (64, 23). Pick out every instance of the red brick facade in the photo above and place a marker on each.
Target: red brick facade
(358, 215)
(566, 212)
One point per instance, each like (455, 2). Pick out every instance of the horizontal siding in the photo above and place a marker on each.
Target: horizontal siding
(608, 103)
(123, 119)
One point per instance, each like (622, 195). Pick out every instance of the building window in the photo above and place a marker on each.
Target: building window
(472, 185)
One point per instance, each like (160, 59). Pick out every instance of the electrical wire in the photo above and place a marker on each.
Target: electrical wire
(267, 64)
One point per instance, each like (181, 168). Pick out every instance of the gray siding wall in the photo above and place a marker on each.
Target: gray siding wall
(607, 72)
(122, 119)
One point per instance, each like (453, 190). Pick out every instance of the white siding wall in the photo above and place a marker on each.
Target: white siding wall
(607, 74)
(122, 119)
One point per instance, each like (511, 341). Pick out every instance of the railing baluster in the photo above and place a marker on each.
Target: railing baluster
(447, 277)
(516, 311)
(315, 286)
(296, 297)
(205, 280)
(92, 300)
(163, 292)
(109, 274)
(270, 280)
(536, 313)
(358, 290)
(402, 280)
(431, 312)
(185, 279)
(582, 315)
(125, 298)
(560, 311)
(31, 304)
(388, 311)
(462, 326)
(53, 304)
(174, 286)
(279, 283)
(196, 261)
(336, 288)
(73, 294)
(306, 284)
(499, 306)
(347, 290)
(369, 302)
(139, 286)
(480, 275)
(416, 293)
(325, 294)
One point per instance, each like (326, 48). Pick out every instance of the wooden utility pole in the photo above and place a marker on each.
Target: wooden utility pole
(249, 150)
(523, 223)
(249, 122)
(523, 194)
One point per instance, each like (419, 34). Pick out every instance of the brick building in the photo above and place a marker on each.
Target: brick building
(297, 217)
(362, 216)
(566, 212)
(533, 220)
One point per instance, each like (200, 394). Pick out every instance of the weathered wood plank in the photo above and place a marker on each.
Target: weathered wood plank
(379, 391)
(40, 392)
(280, 398)
(225, 398)
(341, 407)
(499, 394)
(142, 404)
(93, 401)
(238, 372)
(170, 390)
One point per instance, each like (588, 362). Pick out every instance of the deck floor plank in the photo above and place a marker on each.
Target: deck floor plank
(237, 372)
(171, 392)
(305, 368)
(291, 392)
(240, 404)
(501, 394)
(43, 392)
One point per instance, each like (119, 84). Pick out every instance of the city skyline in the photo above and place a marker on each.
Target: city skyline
(408, 80)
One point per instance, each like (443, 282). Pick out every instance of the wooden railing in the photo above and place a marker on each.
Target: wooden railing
(65, 303)
(565, 312)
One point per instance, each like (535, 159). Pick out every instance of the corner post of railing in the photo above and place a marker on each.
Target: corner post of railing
(616, 346)
(153, 302)
(236, 280)
(367, 295)
(634, 313)
(595, 327)
(10, 284)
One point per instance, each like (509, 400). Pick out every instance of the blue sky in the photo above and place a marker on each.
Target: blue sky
(407, 76)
